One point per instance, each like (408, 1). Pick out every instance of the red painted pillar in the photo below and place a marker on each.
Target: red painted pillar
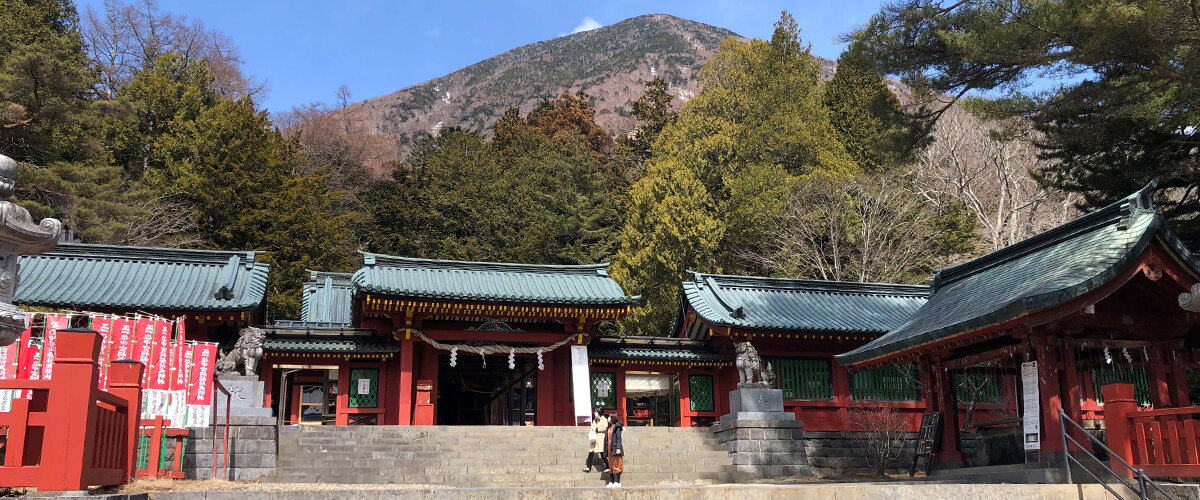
(268, 377)
(685, 399)
(1073, 400)
(841, 390)
(1118, 404)
(405, 387)
(125, 382)
(948, 405)
(928, 396)
(1051, 398)
(1179, 386)
(428, 372)
(342, 403)
(70, 433)
(1160, 393)
(546, 405)
(622, 412)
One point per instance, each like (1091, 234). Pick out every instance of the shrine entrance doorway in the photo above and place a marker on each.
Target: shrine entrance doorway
(652, 399)
(470, 393)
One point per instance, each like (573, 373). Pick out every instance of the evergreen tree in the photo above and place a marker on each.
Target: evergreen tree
(1125, 80)
(867, 117)
(721, 172)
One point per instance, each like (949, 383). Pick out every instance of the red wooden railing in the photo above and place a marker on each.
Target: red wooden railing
(71, 435)
(1163, 442)
(158, 431)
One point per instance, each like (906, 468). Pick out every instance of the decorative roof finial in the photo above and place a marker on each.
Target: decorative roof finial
(8, 176)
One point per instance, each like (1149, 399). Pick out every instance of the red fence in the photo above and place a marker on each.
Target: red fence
(70, 435)
(158, 440)
(1163, 442)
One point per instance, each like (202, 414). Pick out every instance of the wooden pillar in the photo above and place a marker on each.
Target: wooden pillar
(1179, 386)
(1160, 393)
(405, 387)
(1051, 398)
(622, 412)
(546, 385)
(125, 382)
(841, 389)
(948, 405)
(1073, 399)
(685, 399)
(342, 417)
(268, 377)
(428, 371)
(70, 433)
(1118, 404)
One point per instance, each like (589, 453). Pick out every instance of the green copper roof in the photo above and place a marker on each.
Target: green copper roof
(329, 345)
(326, 298)
(800, 305)
(488, 281)
(82, 276)
(654, 349)
(1041, 272)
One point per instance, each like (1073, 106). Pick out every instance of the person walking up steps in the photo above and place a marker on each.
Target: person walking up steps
(615, 448)
(596, 436)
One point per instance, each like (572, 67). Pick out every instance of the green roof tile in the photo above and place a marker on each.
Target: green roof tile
(488, 281)
(326, 298)
(654, 349)
(83, 276)
(1041, 272)
(800, 305)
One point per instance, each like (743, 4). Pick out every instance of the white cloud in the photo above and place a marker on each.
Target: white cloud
(587, 24)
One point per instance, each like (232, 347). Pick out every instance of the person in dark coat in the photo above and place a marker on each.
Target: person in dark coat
(615, 447)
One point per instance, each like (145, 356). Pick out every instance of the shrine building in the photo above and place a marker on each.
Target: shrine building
(217, 291)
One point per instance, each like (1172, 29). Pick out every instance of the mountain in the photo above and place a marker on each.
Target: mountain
(611, 64)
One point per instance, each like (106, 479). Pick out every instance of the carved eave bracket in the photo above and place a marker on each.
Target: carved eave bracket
(1190, 301)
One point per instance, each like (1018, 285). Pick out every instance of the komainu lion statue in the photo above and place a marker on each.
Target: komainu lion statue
(247, 351)
(750, 367)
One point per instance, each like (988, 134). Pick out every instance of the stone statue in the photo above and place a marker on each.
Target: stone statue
(750, 367)
(247, 351)
(19, 235)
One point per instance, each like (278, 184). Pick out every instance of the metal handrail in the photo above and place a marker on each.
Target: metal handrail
(1142, 478)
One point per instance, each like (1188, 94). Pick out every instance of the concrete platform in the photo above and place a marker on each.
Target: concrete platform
(840, 491)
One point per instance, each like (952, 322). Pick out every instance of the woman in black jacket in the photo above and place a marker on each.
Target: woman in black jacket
(615, 448)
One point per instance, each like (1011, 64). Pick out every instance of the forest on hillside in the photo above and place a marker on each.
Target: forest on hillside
(138, 127)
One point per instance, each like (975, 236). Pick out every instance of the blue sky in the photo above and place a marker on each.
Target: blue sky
(305, 49)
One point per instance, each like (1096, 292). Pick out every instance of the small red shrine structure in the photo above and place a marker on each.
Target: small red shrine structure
(1091, 302)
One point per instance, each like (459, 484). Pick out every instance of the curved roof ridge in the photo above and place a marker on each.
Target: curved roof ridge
(124, 252)
(373, 259)
(811, 285)
(1117, 212)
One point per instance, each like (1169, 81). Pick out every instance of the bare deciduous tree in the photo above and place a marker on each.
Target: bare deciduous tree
(124, 38)
(334, 140)
(879, 431)
(864, 229)
(986, 166)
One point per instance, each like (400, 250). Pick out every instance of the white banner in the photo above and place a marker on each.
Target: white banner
(581, 385)
(1031, 405)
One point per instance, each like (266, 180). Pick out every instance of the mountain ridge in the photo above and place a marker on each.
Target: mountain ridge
(611, 64)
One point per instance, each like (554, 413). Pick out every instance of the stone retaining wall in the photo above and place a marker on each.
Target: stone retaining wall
(252, 449)
(840, 453)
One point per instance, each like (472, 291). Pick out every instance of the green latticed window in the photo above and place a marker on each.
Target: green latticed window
(604, 390)
(700, 392)
(364, 388)
(1124, 374)
(978, 387)
(802, 378)
(894, 383)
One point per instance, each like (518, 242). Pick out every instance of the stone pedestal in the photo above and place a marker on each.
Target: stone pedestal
(763, 440)
(245, 397)
(252, 449)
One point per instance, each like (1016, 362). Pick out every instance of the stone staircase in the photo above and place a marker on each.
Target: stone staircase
(493, 456)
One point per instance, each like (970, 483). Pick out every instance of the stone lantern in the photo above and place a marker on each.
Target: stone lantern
(18, 236)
